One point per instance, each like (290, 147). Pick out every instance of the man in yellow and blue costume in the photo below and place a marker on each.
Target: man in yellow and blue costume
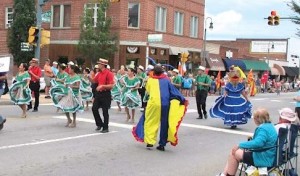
(165, 107)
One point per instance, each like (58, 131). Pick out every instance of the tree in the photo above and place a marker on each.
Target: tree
(96, 40)
(24, 16)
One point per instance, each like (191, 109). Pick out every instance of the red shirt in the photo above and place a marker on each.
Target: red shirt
(104, 77)
(37, 71)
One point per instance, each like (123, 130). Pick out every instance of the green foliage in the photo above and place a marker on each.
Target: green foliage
(23, 17)
(96, 40)
(296, 8)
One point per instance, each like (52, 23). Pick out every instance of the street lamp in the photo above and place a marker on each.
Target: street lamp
(204, 38)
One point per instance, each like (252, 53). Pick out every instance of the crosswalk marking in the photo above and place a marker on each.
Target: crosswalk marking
(53, 140)
(129, 126)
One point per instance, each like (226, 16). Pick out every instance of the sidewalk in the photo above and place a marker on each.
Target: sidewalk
(5, 99)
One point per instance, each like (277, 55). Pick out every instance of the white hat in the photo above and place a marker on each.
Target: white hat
(150, 67)
(96, 66)
(287, 114)
(102, 61)
(71, 63)
(141, 67)
(201, 68)
(54, 63)
(176, 70)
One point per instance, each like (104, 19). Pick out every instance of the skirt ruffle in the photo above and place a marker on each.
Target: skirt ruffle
(233, 110)
(65, 99)
(19, 94)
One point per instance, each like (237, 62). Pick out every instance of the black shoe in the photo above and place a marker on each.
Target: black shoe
(28, 109)
(160, 147)
(149, 146)
(200, 117)
(104, 130)
(233, 127)
(205, 116)
(35, 110)
(47, 97)
(98, 128)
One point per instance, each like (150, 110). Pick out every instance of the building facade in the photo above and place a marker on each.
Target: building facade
(179, 21)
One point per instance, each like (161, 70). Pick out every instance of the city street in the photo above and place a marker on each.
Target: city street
(41, 145)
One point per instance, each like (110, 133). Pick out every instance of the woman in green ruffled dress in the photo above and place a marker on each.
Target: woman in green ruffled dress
(20, 92)
(130, 96)
(67, 97)
(117, 89)
(59, 78)
(61, 75)
(86, 88)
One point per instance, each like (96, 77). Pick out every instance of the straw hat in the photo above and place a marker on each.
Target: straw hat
(176, 70)
(102, 61)
(141, 68)
(201, 68)
(71, 63)
(287, 114)
(34, 60)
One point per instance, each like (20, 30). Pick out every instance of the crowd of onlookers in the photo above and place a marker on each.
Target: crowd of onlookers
(188, 87)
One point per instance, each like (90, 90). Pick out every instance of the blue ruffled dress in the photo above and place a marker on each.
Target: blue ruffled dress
(233, 108)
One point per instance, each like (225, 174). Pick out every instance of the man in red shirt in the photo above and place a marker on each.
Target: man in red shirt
(35, 73)
(105, 81)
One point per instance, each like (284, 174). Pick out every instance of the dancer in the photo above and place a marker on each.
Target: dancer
(141, 75)
(68, 97)
(234, 106)
(130, 97)
(20, 92)
(117, 89)
(35, 74)
(203, 82)
(165, 108)
(87, 86)
(105, 82)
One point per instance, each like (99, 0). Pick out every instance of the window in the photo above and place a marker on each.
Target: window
(194, 27)
(133, 15)
(8, 16)
(178, 23)
(61, 16)
(160, 19)
(94, 10)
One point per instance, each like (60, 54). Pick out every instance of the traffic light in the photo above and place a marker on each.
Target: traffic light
(276, 20)
(45, 38)
(270, 20)
(33, 35)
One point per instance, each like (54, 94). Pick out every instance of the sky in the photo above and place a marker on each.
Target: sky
(245, 19)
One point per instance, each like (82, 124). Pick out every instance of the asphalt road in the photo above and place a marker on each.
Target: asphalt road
(41, 145)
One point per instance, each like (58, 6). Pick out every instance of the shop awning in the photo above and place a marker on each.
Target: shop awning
(274, 71)
(279, 68)
(215, 64)
(176, 50)
(290, 71)
(229, 62)
(256, 65)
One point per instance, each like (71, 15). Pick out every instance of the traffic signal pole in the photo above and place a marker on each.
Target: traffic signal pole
(37, 51)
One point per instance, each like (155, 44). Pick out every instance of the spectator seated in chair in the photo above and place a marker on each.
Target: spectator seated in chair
(265, 136)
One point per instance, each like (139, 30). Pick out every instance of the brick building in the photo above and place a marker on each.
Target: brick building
(179, 21)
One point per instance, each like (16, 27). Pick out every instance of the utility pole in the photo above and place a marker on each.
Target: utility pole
(40, 4)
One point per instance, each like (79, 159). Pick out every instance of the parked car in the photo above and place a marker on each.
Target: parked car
(42, 82)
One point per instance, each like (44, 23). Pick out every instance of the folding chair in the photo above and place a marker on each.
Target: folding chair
(279, 162)
(292, 151)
